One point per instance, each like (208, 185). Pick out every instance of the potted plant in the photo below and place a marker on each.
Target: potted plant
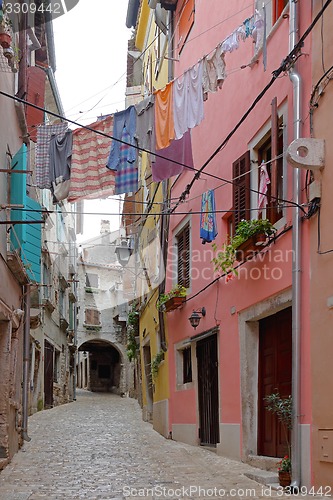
(248, 235)
(5, 32)
(155, 364)
(284, 471)
(171, 300)
(282, 408)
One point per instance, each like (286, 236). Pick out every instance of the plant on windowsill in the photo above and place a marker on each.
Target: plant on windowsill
(249, 235)
(171, 300)
(5, 32)
(155, 364)
(282, 408)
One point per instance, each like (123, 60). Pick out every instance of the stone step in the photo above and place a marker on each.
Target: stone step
(263, 476)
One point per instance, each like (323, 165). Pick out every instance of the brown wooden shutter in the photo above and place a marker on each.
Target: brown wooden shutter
(185, 22)
(241, 188)
(36, 79)
(92, 317)
(183, 241)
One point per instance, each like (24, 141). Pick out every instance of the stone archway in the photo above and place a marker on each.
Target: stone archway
(102, 367)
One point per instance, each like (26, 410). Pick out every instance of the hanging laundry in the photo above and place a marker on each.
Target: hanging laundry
(258, 30)
(188, 100)
(180, 103)
(195, 96)
(123, 120)
(180, 151)
(231, 43)
(164, 122)
(213, 71)
(126, 175)
(241, 34)
(264, 180)
(208, 226)
(248, 26)
(44, 133)
(89, 177)
(60, 165)
(145, 124)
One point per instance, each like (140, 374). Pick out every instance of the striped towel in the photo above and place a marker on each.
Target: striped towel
(90, 179)
(44, 133)
(127, 171)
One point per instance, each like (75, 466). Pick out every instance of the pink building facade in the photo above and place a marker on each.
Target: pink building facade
(255, 336)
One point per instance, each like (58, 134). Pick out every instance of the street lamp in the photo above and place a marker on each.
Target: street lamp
(123, 252)
(195, 317)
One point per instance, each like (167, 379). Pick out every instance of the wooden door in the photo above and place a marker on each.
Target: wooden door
(48, 374)
(275, 372)
(208, 391)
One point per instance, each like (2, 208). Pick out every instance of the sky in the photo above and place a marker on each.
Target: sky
(91, 50)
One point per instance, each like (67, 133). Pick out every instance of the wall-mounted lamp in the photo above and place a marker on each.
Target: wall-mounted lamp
(195, 317)
(123, 252)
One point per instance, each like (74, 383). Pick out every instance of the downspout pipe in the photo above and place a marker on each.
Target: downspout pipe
(26, 357)
(296, 271)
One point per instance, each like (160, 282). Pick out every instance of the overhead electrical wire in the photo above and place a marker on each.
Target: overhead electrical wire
(198, 171)
(286, 63)
(154, 214)
(284, 66)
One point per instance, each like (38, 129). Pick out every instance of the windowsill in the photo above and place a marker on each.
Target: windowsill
(185, 387)
(90, 289)
(92, 327)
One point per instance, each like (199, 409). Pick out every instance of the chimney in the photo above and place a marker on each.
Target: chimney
(105, 226)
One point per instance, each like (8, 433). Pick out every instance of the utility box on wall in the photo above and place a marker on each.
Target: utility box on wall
(325, 445)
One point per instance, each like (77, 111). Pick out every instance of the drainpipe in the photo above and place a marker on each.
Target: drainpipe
(26, 355)
(296, 245)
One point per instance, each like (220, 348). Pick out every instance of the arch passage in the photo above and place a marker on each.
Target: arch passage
(100, 367)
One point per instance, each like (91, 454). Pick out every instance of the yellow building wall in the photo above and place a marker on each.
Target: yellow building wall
(155, 76)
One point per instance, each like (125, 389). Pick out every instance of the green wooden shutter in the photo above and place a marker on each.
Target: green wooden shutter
(25, 238)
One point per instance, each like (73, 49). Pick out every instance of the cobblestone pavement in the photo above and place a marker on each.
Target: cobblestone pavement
(99, 448)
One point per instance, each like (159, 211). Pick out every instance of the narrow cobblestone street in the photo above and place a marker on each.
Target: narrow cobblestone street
(99, 448)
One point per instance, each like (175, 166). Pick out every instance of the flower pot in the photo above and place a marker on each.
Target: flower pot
(249, 247)
(173, 303)
(284, 478)
(5, 40)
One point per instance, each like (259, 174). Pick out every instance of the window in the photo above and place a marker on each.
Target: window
(266, 146)
(277, 7)
(61, 233)
(274, 10)
(61, 302)
(92, 317)
(91, 280)
(56, 366)
(183, 257)
(187, 365)
(269, 148)
(185, 21)
(46, 282)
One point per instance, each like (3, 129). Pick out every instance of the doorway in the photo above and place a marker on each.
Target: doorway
(48, 374)
(208, 391)
(149, 381)
(275, 374)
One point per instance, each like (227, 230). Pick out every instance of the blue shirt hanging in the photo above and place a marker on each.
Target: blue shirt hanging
(208, 228)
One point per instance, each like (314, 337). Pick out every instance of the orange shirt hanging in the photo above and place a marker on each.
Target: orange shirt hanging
(164, 125)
